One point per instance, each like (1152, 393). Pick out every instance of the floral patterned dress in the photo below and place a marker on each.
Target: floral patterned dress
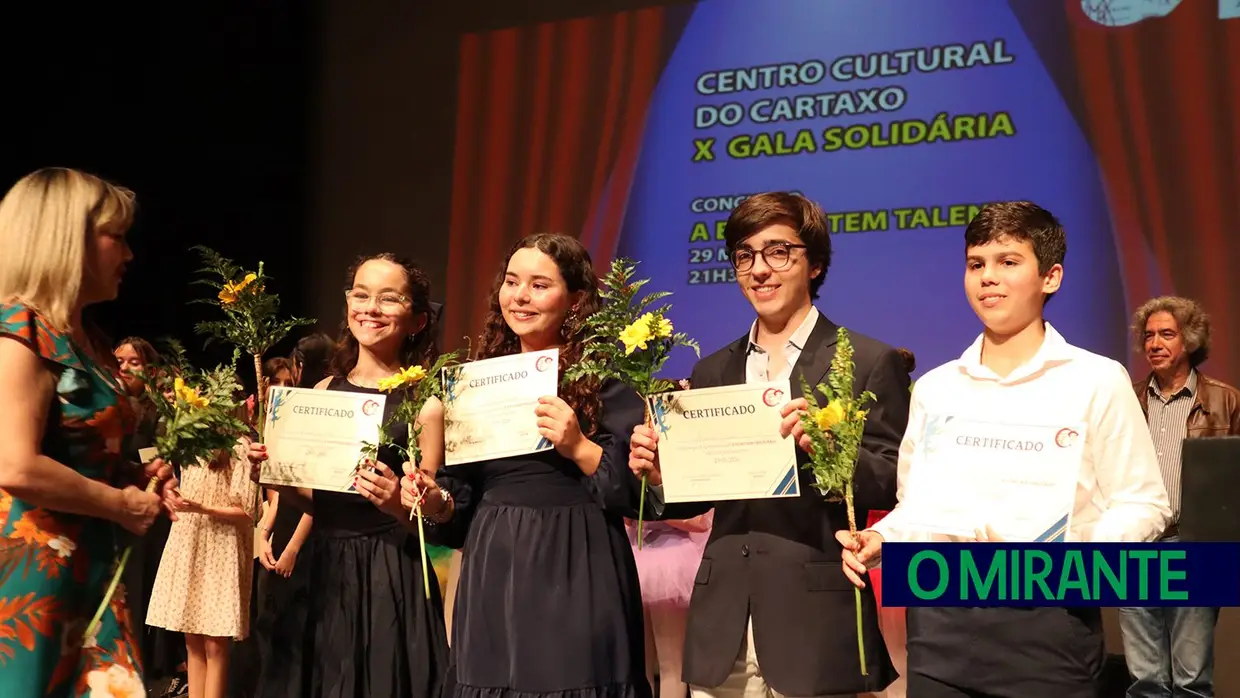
(55, 567)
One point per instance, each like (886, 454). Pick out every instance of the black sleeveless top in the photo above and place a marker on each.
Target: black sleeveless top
(348, 513)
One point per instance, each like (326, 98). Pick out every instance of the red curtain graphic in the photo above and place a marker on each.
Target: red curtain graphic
(1160, 103)
(549, 126)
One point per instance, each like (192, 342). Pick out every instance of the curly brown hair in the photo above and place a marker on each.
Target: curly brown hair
(498, 339)
(1189, 315)
(418, 349)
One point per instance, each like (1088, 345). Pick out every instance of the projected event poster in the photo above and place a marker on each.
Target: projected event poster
(900, 124)
(640, 131)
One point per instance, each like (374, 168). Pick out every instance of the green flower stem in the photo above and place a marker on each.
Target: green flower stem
(641, 502)
(260, 402)
(93, 627)
(641, 512)
(860, 638)
(852, 528)
(426, 580)
(417, 509)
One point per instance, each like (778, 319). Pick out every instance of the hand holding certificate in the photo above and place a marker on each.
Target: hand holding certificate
(724, 443)
(316, 438)
(489, 406)
(1018, 479)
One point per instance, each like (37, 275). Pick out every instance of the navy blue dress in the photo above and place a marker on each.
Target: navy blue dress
(548, 600)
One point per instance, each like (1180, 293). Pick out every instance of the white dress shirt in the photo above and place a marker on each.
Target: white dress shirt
(757, 361)
(757, 364)
(1120, 495)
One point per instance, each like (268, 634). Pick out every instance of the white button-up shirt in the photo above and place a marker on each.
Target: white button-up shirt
(757, 365)
(757, 361)
(1120, 494)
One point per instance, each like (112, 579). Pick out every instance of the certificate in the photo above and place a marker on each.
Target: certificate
(1020, 479)
(316, 438)
(724, 443)
(489, 406)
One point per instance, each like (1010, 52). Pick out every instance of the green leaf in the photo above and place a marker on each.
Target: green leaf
(412, 400)
(605, 355)
(252, 321)
(191, 434)
(833, 456)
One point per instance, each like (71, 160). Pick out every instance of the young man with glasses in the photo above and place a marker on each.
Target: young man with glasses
(772, 613)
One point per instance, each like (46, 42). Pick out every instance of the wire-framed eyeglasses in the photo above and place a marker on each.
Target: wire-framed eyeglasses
(387, 302)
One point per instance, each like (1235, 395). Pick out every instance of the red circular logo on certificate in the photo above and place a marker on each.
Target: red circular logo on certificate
(772, 396)
(369, 407)
(1065, 437)
(543, 363)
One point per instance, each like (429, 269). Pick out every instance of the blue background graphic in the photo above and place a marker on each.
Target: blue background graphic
(903, 287)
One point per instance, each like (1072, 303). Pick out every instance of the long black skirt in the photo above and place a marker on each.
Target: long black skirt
(548, 604)
(366, 630)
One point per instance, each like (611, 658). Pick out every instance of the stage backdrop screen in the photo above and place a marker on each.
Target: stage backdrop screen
(640, 131)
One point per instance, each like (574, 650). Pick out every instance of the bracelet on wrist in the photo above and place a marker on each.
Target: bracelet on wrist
(447, 510)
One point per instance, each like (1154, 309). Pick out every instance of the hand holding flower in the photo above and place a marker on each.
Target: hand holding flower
(138, 509)
(167, 485)
(422, 488)
(644, 454)
(862, 551)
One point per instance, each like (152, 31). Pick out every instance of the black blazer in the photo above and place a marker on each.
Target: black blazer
(777, 560)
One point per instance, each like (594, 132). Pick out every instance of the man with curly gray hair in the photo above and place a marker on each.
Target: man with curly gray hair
(1170, 651)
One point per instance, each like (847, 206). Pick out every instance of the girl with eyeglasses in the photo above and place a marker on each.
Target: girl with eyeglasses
(367, 629)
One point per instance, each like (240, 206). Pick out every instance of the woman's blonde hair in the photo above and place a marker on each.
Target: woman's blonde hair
(45, 221)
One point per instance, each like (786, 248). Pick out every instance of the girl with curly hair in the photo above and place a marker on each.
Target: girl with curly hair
(548, 601)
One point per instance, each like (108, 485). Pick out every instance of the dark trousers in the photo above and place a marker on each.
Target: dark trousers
(1004, 652)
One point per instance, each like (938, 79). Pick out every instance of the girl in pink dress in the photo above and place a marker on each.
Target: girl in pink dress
(667, 564)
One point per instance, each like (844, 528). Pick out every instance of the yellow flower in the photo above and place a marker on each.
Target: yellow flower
(645, 328)
(406, 376)
(635, 336)
(660, 327)
(115, 682)
(188, 395)
(228, 294)
(830, 415)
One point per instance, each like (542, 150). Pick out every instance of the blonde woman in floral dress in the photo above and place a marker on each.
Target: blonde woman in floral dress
(202, 588)
(65, 487)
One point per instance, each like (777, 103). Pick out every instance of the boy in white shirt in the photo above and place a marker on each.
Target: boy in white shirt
(1020, 370)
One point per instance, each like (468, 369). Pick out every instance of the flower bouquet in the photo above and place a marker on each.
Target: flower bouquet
(835, 430)
(630, 342)
(418, 386)
(198, 417)
(252, 324)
